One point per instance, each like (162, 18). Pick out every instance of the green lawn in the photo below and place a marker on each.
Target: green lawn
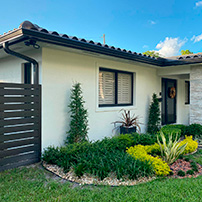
(36, 184)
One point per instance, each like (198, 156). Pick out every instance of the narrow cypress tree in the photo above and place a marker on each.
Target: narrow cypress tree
(154, 116)
(79, 116)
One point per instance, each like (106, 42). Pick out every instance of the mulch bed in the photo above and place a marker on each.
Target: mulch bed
(88, 179)
(183, 165)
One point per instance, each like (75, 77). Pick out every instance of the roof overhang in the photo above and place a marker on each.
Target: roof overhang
(28, 31)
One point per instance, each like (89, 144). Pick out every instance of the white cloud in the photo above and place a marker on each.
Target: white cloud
(151, 22)
(199, 3)
(145, 46)
(196, 38)
(170, 46)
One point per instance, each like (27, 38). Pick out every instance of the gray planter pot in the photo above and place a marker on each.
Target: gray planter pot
(127, 130)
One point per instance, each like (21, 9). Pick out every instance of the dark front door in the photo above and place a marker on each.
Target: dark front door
(169, 94)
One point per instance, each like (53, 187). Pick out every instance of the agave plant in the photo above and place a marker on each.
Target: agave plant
(170, 151)
(128, 120)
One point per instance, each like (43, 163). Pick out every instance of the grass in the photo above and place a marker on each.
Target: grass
(36, 184)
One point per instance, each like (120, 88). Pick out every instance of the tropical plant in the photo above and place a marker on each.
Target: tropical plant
(152, 54)
(186, 52)
(79, 116)
(128, 120)
(154, 116)
(170, 151)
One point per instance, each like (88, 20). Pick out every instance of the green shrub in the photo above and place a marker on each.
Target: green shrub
(100, 158)
(51, 154)
(194, 166)
(79, 116)
(144, 139)
(181, 129)
(190, 172)
(171, 173)
(167, 131)
(181, 173)
(101, 162)
(187, 159)
(195, 130)
(120, 142)
(154, 116)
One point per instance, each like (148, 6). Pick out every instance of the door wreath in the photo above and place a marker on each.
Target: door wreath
(172, 92)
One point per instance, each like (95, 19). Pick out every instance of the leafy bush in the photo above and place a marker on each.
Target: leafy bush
(154, 116)
(194, 166)
(176, 128)
(153, 149)
(195, 130)
(101, 162)
(190, 172)
(51, 154)
(120, 142)
(99, 158)
(144, 139)
(181, 173)
(192, 145)
(170, 151)
(139, 152)
(167, 131)
(187, 159)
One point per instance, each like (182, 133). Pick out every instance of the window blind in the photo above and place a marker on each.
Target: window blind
(124, 88)
(106, 87)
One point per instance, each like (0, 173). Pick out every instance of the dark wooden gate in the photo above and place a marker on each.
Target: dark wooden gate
(20, 124)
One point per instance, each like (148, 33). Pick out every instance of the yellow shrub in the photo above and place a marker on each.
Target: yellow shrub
(191, 144)
(152, 148)
(140, 152)
(161, 168)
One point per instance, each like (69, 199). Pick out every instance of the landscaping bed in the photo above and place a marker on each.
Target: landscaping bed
(121, 160)
(183, 169)
(93, 180)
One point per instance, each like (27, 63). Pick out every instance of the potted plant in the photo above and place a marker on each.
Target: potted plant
(129, 123)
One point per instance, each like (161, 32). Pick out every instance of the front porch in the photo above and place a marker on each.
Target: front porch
(188, 101)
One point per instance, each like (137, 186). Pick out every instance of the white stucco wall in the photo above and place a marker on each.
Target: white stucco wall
(61, 69)
(11, 67)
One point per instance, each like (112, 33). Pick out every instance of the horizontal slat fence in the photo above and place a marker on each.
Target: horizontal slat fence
(20, 125)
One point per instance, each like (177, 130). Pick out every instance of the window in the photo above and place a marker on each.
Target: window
(187, 92)
(115, 88)
(27, 73)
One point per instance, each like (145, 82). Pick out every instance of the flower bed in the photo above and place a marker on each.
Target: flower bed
(107, 161)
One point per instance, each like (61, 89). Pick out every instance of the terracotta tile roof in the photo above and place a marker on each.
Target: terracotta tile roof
(31, 26)
(185, 57)
(29, 29)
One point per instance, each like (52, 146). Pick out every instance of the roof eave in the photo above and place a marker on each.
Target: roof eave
(22, 34)
(57, 40)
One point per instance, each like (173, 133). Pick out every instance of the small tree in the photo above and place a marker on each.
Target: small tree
(79, 116)
(152, 54)
(154, 116)
(186, 52)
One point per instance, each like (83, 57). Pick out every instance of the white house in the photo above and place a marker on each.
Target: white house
(111, 78)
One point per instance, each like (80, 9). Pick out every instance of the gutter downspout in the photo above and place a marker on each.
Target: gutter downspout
(24, 57)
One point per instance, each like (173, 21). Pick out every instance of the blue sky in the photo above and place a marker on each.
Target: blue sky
(166, 26)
